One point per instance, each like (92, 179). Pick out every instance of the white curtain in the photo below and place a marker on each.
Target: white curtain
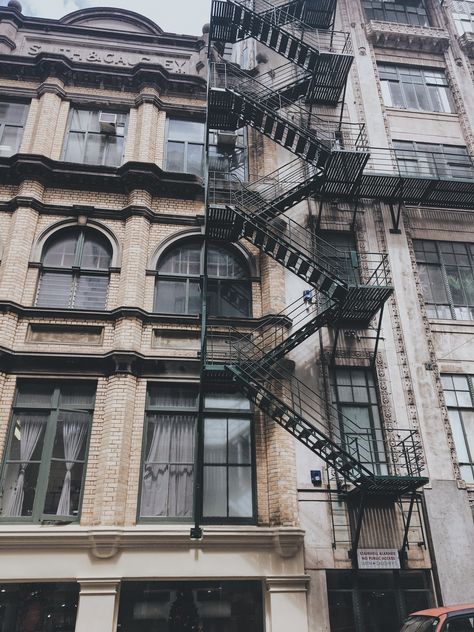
(167, 488)
(75, 427)
(30, 431)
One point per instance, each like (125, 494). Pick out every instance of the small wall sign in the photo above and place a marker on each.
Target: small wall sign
(378, 558)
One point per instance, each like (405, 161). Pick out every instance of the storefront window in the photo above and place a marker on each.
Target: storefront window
(38, 607)
(207, 606)
(374, 601)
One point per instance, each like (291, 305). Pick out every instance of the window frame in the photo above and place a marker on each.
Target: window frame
(75, 271)
(187, 279)
(198, 449)
(87, 132)
(400, 72)
(379, 465)
(441, 266)
(5, 124)
(398, 9)
(38, 515)
(468, 445)
(420, 155)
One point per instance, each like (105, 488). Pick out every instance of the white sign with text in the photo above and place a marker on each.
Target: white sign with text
(378, 558)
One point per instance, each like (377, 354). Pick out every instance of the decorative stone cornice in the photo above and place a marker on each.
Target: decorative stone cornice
(407, 36)
(131, 79)
(106, 542)
(7, 41)
(466, 42)
(128, 177)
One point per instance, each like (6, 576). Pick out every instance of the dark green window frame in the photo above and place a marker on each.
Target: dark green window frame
(48, 405)
(190, 391)
(459, 396)
(446, 270)
(354, 388)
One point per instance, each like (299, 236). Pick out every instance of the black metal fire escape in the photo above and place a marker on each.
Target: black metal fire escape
(330, 158)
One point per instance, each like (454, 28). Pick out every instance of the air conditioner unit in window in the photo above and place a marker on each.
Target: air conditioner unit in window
(226, 140)
(108, 122)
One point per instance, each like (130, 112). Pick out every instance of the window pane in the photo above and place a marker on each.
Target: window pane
(23, 462)
(171, 396)
(175, 155)
(239, 441)
(54, 290)
(60, 251)
(186, 130)
(80, 120)
(96, 254)
(64, 489)
(168, 476)
(195, 159)
(10, 141)
(458, 436)
(171, 296)
(229, 401)
(215, 441)
(91, 292)
(95, 149)
(215, 491)
(113, 150)
(240, 492)
(13, 113)
(75, 147)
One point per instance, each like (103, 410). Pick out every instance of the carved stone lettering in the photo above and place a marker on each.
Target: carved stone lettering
(120, 59)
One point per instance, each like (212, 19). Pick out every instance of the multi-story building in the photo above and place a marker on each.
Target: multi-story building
(236, 318)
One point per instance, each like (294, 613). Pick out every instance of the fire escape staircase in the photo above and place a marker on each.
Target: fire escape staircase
(325, 53)
(344, 288)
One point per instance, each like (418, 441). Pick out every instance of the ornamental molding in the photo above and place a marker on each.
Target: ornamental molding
(432, 352)
(407, 36)
(466, 42)
(105, 543)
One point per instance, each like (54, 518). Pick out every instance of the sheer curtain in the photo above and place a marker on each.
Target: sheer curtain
(74, 430)
(167, 488)
(30, 432)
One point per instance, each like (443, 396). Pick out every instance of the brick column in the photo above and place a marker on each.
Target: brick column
(113, 461)
(98, 605)
(46, 124)
(146, 137)
(134, 261)
(16, 255)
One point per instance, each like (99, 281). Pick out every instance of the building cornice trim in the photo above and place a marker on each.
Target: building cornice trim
(128, 177)
(106, 542)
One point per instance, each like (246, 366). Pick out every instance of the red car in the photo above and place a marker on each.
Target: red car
(446, 619)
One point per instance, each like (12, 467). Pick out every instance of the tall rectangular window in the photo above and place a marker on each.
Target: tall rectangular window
(185, 145)
(169, 456)
(45, 458)
(354, 394)
(95, 137)
(429, 160)
(446, 272)
(405, 12)
(458, 394)
(342, 256)
(12, 122)
(415, 88)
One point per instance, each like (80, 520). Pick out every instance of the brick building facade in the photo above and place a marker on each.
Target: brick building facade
(120, 429)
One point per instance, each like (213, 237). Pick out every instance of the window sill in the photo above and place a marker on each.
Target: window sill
(423, 114)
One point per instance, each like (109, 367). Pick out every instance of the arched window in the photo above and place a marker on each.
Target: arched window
(75, 270)
(177, 286)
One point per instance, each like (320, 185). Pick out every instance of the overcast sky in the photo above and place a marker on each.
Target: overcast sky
(175, 16)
